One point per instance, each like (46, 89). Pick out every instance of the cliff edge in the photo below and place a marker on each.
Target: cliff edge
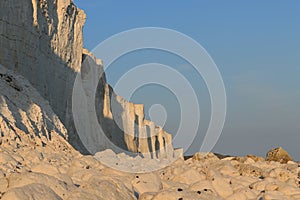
(42, 40)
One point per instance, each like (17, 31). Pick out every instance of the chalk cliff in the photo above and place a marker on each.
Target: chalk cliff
(121, 122)
(26, 119)
(42, 40)
(41, 59)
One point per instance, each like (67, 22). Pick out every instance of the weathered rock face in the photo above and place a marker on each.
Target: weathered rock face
(113, 123)
(42, 40)
(25, 117)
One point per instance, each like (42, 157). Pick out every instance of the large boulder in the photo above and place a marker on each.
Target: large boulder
(278, 155)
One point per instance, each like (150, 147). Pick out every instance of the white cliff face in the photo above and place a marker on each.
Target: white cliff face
(113, 123)
(25, 117)
(42, 40)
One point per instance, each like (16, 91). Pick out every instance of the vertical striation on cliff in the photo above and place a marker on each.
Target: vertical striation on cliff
(42, 40)
(114, 122)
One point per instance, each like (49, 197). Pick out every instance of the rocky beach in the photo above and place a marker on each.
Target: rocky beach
(44, 156)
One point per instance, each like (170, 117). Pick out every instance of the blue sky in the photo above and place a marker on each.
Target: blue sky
(255, 44)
